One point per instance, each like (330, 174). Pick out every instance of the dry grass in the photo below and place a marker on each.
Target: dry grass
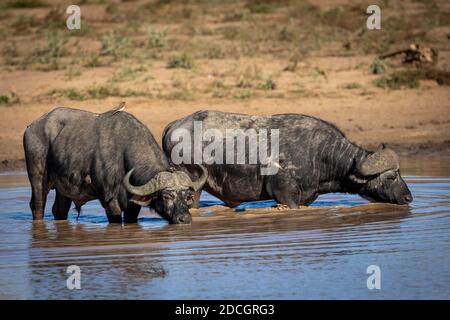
(234, 49)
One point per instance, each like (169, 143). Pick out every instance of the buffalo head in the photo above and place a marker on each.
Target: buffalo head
(171, 194)
(379, 178)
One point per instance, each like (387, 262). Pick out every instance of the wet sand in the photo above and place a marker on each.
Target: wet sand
(257, 252)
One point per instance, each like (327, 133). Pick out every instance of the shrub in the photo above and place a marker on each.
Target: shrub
(262, 6)
(243, 94)
(50, 52)
(9, 99)
(352, 85)
(116, 45)
(399, 79)
(4, 99)
(23, 23)
(268, 84)
(378, 67)
(180, 61)
(156, 39)
(72, 94)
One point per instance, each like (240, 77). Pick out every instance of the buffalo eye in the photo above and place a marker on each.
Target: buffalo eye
(167, 196)
(189, 198)
(391, 176)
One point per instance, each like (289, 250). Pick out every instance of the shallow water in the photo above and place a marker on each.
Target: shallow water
(261, 252)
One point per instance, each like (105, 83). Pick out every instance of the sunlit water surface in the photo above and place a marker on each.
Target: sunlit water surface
(258, 253)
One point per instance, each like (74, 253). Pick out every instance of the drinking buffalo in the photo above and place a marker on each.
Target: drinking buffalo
(315, 158)
(86, 156)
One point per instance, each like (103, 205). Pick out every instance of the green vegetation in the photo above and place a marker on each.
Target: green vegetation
(55, 19)
(401, 79)
(92, 60)
(218, 89)
(72, 94)
(240, 51)
(349, 17)
(46, 56)
(72, 72)
(285, 34)
(112, 9)
(9, 99)
(378, 67)
(116, 45)
(153, 6)
(180, 61)
(318, 72)
(22, 23)
(267, 84)
(352, 85)
(263, 6)
(243, 94)
(54, 47)
(4, 99)
(127, 73)
(214, 52)
(156, 39)
(410, 78)
(249, 76)
(98, 92)
(24, 4)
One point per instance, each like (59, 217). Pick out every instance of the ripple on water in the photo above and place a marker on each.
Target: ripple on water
(260, 252)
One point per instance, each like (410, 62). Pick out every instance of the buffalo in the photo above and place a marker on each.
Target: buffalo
(315, 158)
(111, 157)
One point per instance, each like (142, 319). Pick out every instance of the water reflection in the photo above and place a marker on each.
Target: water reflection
(125, 260)
(108, 269)
(255, 252)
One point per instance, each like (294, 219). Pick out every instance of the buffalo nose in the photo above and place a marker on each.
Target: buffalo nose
(185, 219)
(408, 198)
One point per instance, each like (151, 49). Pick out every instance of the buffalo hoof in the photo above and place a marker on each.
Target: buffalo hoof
(282, 207)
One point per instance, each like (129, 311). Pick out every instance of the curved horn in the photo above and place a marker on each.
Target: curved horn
(144, 190)
(198, 184)
(378, 162)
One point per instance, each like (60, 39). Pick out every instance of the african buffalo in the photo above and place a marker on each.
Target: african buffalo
(86, 156)
(315, 158)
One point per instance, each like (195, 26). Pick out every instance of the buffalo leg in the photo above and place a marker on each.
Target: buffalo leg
(307, 199)
(39, 191)
(285, 191)
(39, 187)
(36, 160)
(284, 198)
(231, 204)
(113, 211)
(197, 195)
(61, 206)
(131, 212)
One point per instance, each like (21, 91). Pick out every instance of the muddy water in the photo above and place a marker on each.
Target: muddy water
(260, 252)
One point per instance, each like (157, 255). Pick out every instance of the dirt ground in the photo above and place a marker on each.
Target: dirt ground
(167, 59)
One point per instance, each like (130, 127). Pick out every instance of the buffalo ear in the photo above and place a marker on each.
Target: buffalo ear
(380, 161)
(354, 178)
(141, 200)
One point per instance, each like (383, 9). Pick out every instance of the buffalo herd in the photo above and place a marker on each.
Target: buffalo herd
(114, 158)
